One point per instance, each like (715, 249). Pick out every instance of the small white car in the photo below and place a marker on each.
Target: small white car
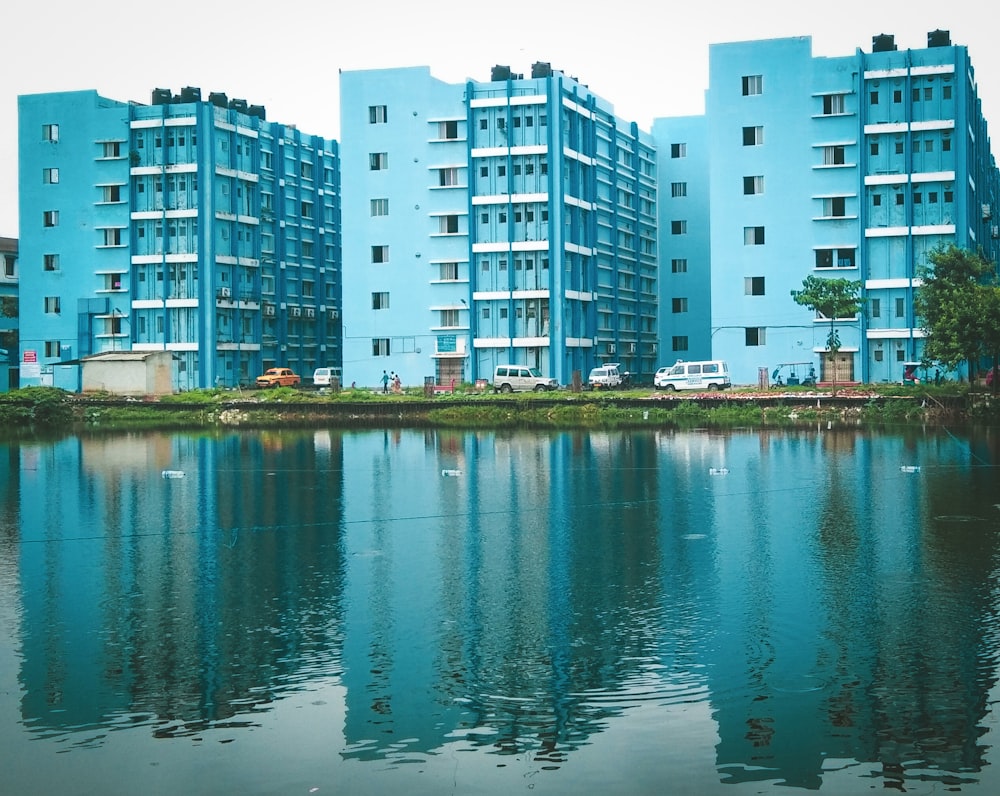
(605, 377)
(703, 375)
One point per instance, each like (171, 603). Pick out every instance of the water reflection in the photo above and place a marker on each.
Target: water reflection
(818, 602)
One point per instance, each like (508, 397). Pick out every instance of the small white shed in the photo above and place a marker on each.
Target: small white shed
(129, 372)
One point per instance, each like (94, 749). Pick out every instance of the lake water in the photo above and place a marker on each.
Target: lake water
(428, 612)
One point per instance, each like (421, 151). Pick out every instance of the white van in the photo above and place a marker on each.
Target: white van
(605, 377)
(324, 377)
(519, 378)
(710, 374)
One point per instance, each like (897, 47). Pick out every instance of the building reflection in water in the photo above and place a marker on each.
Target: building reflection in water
(516, 593)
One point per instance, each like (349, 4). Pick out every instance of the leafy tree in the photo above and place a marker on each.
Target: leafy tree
(833, 299)
(958, 304)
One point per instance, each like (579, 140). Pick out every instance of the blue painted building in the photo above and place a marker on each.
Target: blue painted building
(188, 225)
(506, 221)
(853, 167)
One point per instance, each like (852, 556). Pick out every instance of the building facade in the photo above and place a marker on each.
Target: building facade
(506, 221)
(854, 167)
(187, 225)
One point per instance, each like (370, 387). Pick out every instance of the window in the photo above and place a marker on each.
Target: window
(946, 145)
(50, 218)
(380, 254)
(878, 354)
(50, 262)
(380, 301)
(678, 189)
(876, 307)
(111, 149)
(50, 176)
(52, 304)
(946, 92)
(900, 307)
(378, 161)
(448, 177)
(50, 132)
(678, 227)
(448, 225)
(876, 200)
(833, 104)
(873, 98)
(833, 155)
(306, 171)
(753, 236)
(753, 85)
(448, 130)
(897, 96)
(52, 349)
(678, 150)
(899, 148)
(834, 207)
(378, 114)
(502, 171)
(900, 199)
(679, 343)
(112, 237)
(753, 136)
(678, 305)
(8, 266)
(380, 346)
(873, 148)
(449, 317)
(307, 210)
(753, 285)
(755, 335)
(503, 313)
(486, 311)
(379, 207)
(679, 266)
(448, 272)
(111, 194)
(484, 171)
(753, 185)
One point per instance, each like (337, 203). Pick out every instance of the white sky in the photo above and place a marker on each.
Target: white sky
(649, 58)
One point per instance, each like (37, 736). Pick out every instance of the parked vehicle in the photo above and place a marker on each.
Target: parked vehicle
(605, 377)
(797, 374)
(324, 377)
(518, 378)
(704, 375)
(278, 377)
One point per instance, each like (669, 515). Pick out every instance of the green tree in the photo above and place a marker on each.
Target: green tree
(958, 305)
(833, 299)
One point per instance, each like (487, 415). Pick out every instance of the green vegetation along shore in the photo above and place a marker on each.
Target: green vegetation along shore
(40, 410)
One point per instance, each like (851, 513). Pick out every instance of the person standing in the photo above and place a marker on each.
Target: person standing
(385, 382)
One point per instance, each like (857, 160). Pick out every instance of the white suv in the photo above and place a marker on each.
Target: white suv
(518, 378)
(605, 377)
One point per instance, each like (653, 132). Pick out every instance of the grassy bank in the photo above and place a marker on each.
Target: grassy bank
(39, 409)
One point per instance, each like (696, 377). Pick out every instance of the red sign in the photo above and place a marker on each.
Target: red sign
(30, 356)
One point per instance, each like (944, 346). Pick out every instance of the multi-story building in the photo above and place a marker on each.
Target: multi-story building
(192, 226)
(505, 221)
(8, 314)
(853, 167)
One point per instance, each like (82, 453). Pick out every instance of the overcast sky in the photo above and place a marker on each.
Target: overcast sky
(649, 58)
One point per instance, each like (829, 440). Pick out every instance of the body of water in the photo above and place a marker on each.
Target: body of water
(428, 612)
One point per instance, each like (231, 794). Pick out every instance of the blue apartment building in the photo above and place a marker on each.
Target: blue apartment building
(853, 167)
(508, 221)
(187, 225)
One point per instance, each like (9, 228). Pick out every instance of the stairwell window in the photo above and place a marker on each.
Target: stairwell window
(753, 136)
(378, 161)
(753, 236)
(50, 176)
(380, 254)
(833, 104)
(380, 346)
(52, 305)
(753, 185)
(50, 218)
(753, 285)
(50, 133)
(380, 300)
(834, 155)
(378, 114)
(753, 85)
(678, 151)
